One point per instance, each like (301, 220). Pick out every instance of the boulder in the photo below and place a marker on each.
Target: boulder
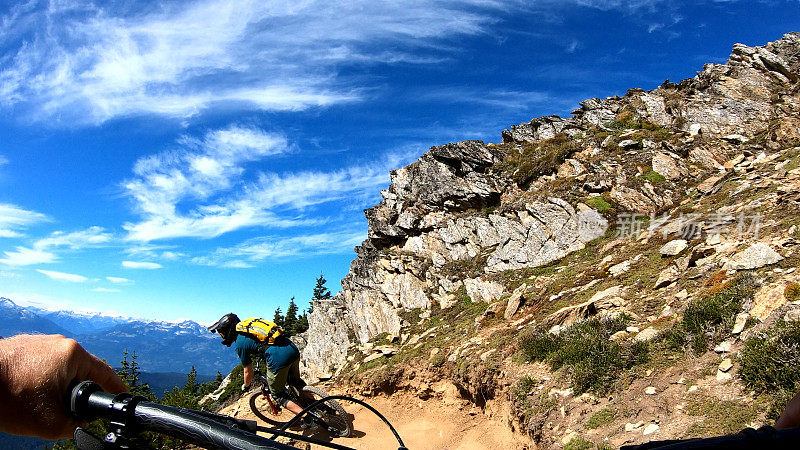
(666, 166)
(517, 298)
(666, 277)
(673, 247)
(753, 257)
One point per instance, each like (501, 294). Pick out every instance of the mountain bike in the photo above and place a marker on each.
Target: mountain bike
(329, 415)
(129, 415)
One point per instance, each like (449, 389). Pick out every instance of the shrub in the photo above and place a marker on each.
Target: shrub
(770, 361)
(601, 418)
(709, 319)
(592, 361)
(792, 292)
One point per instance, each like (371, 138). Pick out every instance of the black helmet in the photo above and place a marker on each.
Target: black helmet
(227, 327)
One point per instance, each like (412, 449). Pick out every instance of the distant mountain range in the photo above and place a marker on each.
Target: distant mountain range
(159, 346)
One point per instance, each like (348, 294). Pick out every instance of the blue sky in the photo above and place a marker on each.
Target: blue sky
(184, 159)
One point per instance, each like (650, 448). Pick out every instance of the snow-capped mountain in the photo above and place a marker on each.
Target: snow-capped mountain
(80, 323)
(15, 319)
(160, 346)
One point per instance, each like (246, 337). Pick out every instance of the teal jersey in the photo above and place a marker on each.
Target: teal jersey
(278, 355)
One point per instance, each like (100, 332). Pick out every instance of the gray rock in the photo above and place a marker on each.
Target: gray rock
(666, 277)
(666, 166)
(483, 291)
(517, 298)
(673, 247)
(753, 257)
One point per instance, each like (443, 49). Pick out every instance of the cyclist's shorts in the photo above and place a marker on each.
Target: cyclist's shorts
(277, 381)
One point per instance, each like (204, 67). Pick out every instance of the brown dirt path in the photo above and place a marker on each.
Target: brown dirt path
(431, 424)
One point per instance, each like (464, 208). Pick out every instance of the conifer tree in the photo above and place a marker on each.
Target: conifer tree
(320, 292)
(278, 318)
(290, 321)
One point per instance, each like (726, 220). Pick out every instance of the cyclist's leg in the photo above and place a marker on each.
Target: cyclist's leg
(277, 385)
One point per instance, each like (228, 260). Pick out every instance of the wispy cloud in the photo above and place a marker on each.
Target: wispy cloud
(3, 160)
(13, 218)
(102, 289)
(141, 265)
(92, 63)
(119, 280)
(572, 46)
(43, 250)
(200, 190)
(61, 276)
(254, 251)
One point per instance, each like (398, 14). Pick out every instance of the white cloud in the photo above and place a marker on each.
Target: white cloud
(3, 160)
(24, 256)
(90, 237)
(13, 218)
(7, 274)
(102, 289)
(43, 249)
(141, 265)
(203, 189)
(61, 276)
(92, 63)
(253, 251)
(119, 280)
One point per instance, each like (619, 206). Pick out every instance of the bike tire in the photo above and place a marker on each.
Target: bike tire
(260, 407)
(335, 415)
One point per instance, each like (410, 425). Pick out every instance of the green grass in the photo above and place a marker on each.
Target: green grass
(579, 443)
(653, 176)
(601, 418)
(719, 416)
(592, 362)
(536, 160)
(598, 203)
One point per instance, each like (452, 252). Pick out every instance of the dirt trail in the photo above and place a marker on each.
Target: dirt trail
(422, 425)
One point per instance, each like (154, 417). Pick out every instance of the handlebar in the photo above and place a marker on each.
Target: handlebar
(88, 401)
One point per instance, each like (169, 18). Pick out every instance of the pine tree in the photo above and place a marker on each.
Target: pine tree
(302, 324)
(320, 292)
(130, 374)
(191, 385)
(278, 318)
(290, 321)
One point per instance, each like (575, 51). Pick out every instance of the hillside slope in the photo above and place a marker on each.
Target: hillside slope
(609, 277)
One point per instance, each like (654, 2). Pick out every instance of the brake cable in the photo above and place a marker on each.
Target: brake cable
(340, 397)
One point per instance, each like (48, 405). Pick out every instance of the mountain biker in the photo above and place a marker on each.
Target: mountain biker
(282, 357)
(35, 374)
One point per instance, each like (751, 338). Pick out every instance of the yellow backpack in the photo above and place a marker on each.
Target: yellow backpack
(261, 330)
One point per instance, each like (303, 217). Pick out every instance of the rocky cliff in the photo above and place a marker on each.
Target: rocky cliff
(465, 215)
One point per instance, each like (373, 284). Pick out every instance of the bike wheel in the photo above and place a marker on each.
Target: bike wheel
(260, 407)
(335, 417)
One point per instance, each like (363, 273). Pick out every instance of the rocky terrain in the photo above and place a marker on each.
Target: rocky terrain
(656, 231)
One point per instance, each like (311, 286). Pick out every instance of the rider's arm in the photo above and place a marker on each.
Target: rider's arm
(790, 417)
(248, 375)
(35, 372)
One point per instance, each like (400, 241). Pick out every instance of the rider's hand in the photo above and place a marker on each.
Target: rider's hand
(790, 417)
(35, 373)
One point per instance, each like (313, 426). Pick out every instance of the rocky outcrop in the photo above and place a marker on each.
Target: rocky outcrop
(464, 213)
